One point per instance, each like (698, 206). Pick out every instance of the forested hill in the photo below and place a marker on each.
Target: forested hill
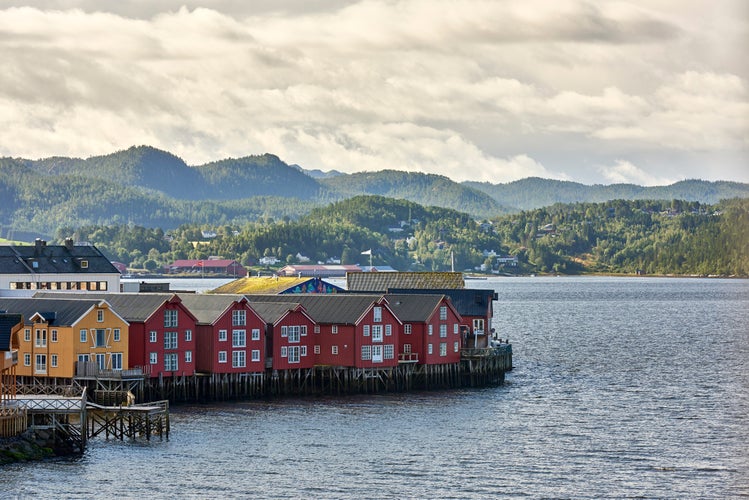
(533, 192)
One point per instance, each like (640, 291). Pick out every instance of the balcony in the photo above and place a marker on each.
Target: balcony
(91, 370)
(408, 357)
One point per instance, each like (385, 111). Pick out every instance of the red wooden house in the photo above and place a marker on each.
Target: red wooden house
(290, 341)
(431, 332)
(229, 336)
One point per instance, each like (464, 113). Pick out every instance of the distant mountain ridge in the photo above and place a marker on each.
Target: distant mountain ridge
(150, 187)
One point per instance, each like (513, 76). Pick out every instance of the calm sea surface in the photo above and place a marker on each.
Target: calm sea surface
(622, 388)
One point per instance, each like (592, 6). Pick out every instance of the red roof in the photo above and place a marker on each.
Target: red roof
(203, 263)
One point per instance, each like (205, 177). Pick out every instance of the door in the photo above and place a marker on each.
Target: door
(376, 354)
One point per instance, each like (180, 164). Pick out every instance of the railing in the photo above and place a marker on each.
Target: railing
(485, 351)
(12, 421)
(408, 357)
(90, 369)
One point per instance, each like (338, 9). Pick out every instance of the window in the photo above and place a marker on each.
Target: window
(334, 329)
(27, 359)
(116, 361)
(83, 358)
(429, 348)
(443, 313)
(53, 361)
(100, 315)
(303, 329)
(40, 338)
(455, 328)
(222, 356)
(366, 352)
(284, 331)
(430, 329)
(316, 350)
(238, 338)
(407, 329)
(317, 329)
(256, 355)
(294, 354)
(456, 346)
(170, 340)
(376, 333)
(188, 335)
(152, 337)
(153, 358)
(83, 335)
(41, 363)
(100, 337)
(303, 350)
(406, 348)
(188, 356)
(170, 362)
(376, 354)
(238, 318)
(334, 350)
(293, 332)
(255, 334)
(238, 359)
(116, 334)
(53, 335)
(27, 335)
(443, 330)
(170, 319)
(443, 348)
(365, 331)
(389, 351)
(222, 335)
(377, 313)
(284, 351)
(388, 330)
(101, 361)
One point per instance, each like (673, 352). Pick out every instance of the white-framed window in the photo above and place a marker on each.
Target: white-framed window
(100, 315)
(53, 360)
(40, 337)
(430, 329)
(316, 349)
(376, 333)
(170, 319)
(116, 361)
(152, 337)
(27, 359)
(100, 337)
(27, 335)
(334, 329)
(317, 328)
(294, 354)
(456, 346)
(188, 335)
(303, 350)
(170, 362)
(222, 335)
(407, 329)
(443, 330)
(377, 314)
(376, 354)
(407, 348)
(238, 359)
(284, 331)
(239, 318)
(365, 330)
(443, 348)
(188, 356)
(294, 334)
(83, 336)
(388, 330)
(366, 352)
(334, 350)
(303, 330)
(389, 351)
(443, 313)
(222, 356)
(83, 358)
(256, 334)
(41, 363)
(116, 334)
(53, 335)
(429, 349)
(153, 358)
(238, 338)
(256, 355)
(456, 328)
(170, 341)
(284, 351)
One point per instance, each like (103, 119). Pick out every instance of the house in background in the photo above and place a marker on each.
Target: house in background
(26, 269)
(277, 285)
(381, 282)
(319, 270)
(223, 267)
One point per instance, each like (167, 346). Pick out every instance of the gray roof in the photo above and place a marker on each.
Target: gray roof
(468, 301)
(336, 308)
(413, 307)
(7, 322)
(132, 307)
(270, 312)
(53, 259)
(60, 312)
(382, 282)
(208, 308)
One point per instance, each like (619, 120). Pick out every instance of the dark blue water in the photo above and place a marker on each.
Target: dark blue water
(623, 388)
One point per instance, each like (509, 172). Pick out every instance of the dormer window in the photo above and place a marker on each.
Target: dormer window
(84, 264)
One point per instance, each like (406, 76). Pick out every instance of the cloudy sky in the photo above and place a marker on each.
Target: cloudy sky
(642, 91)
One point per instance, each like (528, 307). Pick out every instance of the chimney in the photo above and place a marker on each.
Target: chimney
(38, 245)
(69, 244)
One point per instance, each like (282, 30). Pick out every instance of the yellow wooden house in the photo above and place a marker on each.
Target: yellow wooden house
(58, 333)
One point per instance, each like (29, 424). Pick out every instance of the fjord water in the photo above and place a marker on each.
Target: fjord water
(622, 387)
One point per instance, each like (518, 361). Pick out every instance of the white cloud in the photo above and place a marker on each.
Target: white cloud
(624, 172)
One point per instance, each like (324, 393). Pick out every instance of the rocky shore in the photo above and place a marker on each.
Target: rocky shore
(31, 446)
